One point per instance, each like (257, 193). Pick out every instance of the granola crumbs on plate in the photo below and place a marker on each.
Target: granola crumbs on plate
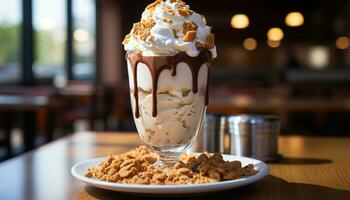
(136, 167)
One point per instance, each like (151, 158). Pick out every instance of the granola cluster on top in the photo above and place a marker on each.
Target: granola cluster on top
(170, 20)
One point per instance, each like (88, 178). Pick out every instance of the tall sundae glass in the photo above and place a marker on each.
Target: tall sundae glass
(168, 56)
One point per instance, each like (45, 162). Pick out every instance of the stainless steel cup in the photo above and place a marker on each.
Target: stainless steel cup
(250, 135)
(208, 137)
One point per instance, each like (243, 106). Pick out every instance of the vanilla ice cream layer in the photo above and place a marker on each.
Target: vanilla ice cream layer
(179, 109)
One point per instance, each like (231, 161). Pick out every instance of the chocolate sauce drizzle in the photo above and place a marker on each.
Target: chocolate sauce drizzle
(156, 64)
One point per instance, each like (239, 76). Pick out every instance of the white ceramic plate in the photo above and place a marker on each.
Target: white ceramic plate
(79, 170)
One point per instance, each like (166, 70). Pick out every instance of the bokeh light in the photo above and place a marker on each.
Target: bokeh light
(275, 34)
(294, 19)
(240, 21)
(342, 42)
(319, 57)
(47, 24)
(273, 44)
(81, 35)
(250, 44)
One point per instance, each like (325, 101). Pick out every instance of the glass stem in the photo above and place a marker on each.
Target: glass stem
(167, 159)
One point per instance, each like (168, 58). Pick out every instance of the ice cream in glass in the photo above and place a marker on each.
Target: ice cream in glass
(168, 56)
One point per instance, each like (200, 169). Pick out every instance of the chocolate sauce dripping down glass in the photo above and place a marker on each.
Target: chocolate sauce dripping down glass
(156, 64)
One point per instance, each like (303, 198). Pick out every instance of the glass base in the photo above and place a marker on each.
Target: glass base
(167, 159)
(169, 156)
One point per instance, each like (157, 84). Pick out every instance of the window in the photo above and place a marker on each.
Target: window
(49, 21)
(84, 44)
(10, 37)
(55, 54)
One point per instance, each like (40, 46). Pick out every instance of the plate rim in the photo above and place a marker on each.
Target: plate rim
(186, 188)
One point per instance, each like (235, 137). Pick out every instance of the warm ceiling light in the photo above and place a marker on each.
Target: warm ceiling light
(273, 44)
(319, 57)
(81, 35)
(342, 42)
(275, 34)
(294, 19)
(250, 44)
(240, 21)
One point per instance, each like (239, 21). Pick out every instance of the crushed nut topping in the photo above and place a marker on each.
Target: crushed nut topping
(176, 12)
(142, 29)
(169, 10)
(166, 20)
(185, 11)
(189, 26)
(210, 41)
(180, 3)
(154, 5)
(136, 167)
(189, 36)
(183, 8)
(126, 39)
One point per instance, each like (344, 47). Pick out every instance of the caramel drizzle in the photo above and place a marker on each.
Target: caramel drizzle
(156, 64)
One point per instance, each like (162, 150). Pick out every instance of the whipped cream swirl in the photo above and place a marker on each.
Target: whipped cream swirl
(169, 27)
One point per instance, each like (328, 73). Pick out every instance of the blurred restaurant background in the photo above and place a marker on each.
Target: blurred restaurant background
(63, 69)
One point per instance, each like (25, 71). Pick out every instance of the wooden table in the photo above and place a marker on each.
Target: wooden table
(313, 168)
